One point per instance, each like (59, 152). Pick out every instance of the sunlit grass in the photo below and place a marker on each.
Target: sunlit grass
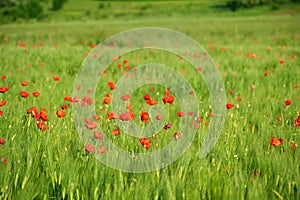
(243, 165)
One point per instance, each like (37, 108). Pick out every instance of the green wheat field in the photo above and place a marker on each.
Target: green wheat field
(257, 52)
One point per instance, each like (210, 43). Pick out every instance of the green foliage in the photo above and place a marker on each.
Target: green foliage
(234, 5)
(57, 4)
(9, 3)
(29, 10)
(14, 10)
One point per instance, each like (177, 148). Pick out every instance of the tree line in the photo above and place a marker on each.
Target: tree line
(11, 10)
(235, 5)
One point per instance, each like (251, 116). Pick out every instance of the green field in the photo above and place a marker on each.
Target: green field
(256, 51)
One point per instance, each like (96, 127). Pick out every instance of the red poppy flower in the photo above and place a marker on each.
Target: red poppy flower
(75, 99)
(42, 64)
(151, 102)
(256, 173)
(211, 114)
(281, 62)
(89, 124)
(191, 113)
(93, 45)
(97, 117)
(60, 113)
(238, 99)
(276, 142)
(292, 145)
(111, 85)
(297, 121)
(200, 69)
(89, 148)
(3, 160)
(2, 103)
(296, 86)
(24, 94)
(86, 100)
(36, 94)
(167, 92)
(68, 98)
(42, 126)
(2, 141)
(288, 102)
(266, 73)
(43, 114)
(199, 119)
(101, 149)
(144, 116)
(279, 118)
(127, 116)
(250, 127)
(129, 106)
(112, 115)
(64, 107)
(167, 126)
(229, 105)
(151, 89)
(34, 112)
(168, 99)
(147, 97)
(158, 117)
(90, 91)
(127, 67)
(1, 112)
(115, 132)
(98, 135)
(107, 100)
(125, 97)
(180, 114)
(56, 78)
(177, 135)
(145, 142)
(197, 126)
(24, 83)
(3, 77)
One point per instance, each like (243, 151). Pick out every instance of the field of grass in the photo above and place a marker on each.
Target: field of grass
(258, 58)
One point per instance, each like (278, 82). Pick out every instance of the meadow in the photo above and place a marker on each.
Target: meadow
(256, 157)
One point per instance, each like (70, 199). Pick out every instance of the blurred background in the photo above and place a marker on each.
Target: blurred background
(19, 11)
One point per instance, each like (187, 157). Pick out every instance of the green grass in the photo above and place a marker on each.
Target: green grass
(100, 10)
(54, 164)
